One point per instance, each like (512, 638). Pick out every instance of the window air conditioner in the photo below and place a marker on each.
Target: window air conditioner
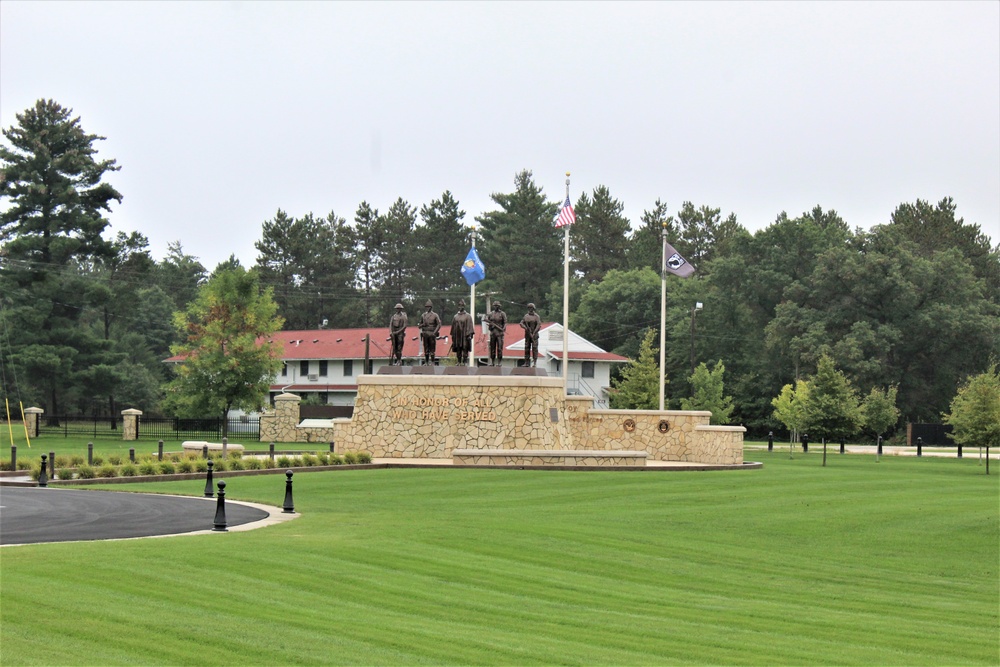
(313, 377)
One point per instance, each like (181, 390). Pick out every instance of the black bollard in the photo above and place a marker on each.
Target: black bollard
(770, 441)
(13, 457)
(289, 506)
(225, 447)
(131, 454)
(159, 451)
(805, 442)
(920, 446)
(824, 452)
(880, 445)
(270, 451)
(841, 445)
(204, 451)
(52, 465)
(209, 490)
(331, 448)
(42, 479)
(960, 451)
(220, 509)
(90, 453)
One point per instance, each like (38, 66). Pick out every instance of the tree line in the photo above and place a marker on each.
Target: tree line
(87, 320)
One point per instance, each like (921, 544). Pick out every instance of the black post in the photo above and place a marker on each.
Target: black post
(920, 446)
(960, 451)
(90, 453)
(331, 448)
(52, 465)
(220, 509)
(824, 452)
(841, 445)
(131, 454)
(209, 490)
(270, 451)
(13, 457)
(289, 506)
(987, 459)
(159, 451)
(805, 442)
(42, 479)
(204, 451)
(770, 441)
(880, 445)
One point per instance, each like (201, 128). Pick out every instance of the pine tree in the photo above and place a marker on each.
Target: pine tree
(442, 242)
(598, 239)
(708, 393)
(639, 386)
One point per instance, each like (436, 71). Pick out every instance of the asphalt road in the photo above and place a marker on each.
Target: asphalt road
(29, 515)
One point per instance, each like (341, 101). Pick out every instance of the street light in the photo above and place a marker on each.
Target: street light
(697, 307)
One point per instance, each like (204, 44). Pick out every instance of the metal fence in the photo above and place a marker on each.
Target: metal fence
(67, 425)
(170, 428)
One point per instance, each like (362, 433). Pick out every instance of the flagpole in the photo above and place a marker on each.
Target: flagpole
(472, 310)
(565, 341)
(663, 308)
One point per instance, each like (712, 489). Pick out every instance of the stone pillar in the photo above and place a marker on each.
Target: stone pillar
(280, 424)
(31, 420)
(130, 419)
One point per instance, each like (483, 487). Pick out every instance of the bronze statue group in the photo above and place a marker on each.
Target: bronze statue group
(463, 331)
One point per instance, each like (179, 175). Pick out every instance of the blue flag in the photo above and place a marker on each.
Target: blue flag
(473, 268)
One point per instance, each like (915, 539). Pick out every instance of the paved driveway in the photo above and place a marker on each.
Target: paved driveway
(29, 515)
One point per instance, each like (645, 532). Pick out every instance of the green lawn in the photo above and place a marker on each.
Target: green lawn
(856, 563)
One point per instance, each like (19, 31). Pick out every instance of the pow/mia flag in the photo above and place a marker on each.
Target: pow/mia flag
(675, 264)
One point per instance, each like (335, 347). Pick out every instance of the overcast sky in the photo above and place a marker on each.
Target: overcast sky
(220, 113)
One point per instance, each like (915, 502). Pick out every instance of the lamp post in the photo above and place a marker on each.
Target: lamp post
(697, 307)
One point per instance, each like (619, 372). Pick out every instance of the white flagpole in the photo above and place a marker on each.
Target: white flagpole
(663, 308)
(565, 341)
(472, 310)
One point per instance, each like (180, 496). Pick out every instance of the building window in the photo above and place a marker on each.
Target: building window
(588, 369)
(322, 368)
(348, 367)
(323, 398)
(303, 368)
(284, 370)
(557, 365)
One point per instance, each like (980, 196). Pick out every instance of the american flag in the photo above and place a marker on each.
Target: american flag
(566, 215)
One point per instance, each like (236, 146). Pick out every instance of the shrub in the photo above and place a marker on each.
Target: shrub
(236, 454)
(76, 460)
(221, 464)
(22, 464)
(236, 464)
(85, 472)
(62, 461)
(114, 459)
(192, 455)
(310, 460)
(98, 461)
(284, 461)
(174, 457)
(5, 465)
(350, 458)
(36, 470)
(108, 470)
(64, 473)
(364, 457)
(167, 468)
(266, 463)
(128, 470)
(148, 468)
(185, 465)
(324, 458)
(336, 460)
(201, 465)
(253, 463)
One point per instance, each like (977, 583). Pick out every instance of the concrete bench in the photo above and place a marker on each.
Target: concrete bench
(199, 446)
(549, 457)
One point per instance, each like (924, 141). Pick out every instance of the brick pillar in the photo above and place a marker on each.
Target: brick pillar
(130, 428)
(279, 425)
(31, 420)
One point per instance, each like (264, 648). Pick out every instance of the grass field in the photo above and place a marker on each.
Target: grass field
(856, 563)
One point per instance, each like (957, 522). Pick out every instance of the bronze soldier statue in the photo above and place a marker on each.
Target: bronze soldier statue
(397, 332)
(430, 328)
(497, 322)
(463, 328)
(531, 323)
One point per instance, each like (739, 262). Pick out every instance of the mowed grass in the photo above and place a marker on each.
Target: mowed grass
(77, 445)
(856, 563)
